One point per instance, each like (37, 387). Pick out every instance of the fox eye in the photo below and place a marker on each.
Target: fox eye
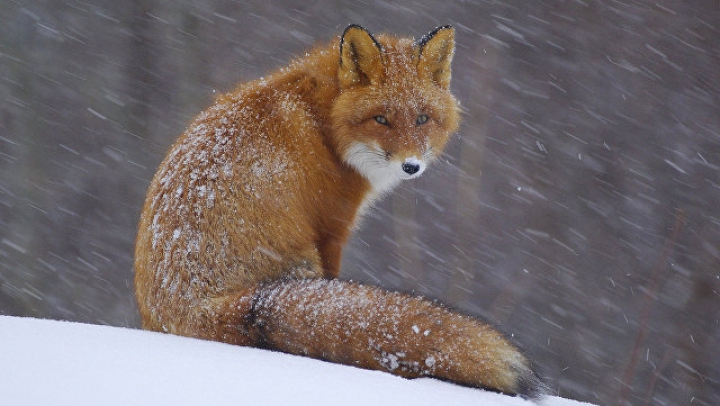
(381, 120)
(422, 119)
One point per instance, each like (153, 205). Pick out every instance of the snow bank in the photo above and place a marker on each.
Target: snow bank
(45, 362)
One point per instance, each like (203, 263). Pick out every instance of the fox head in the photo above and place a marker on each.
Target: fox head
(394, 113)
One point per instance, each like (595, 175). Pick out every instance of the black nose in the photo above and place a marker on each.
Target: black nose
(410, 168)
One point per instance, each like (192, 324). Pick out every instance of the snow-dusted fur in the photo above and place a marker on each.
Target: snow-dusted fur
(254, 202)
(371, 328)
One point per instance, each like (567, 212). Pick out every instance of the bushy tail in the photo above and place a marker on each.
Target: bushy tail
(368, 327)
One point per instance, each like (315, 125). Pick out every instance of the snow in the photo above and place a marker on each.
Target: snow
(47, 362)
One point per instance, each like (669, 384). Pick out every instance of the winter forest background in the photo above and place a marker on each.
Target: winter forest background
(578, 208)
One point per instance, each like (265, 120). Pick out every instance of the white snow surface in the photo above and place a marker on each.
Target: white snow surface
(46, 362)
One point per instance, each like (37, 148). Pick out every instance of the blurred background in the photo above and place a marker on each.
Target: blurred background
(578, 207)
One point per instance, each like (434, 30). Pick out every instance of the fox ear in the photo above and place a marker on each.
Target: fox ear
(360, 58)
(435, 51)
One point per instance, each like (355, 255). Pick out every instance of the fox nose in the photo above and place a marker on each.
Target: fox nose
(411, 166)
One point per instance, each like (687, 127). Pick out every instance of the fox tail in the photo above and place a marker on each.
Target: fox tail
(367, 327)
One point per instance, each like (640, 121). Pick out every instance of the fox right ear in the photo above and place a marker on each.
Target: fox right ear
(436, 51)
(361, 61)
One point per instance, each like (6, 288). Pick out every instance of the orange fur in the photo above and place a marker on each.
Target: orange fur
(262, 191)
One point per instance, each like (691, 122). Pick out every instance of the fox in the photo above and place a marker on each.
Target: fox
(242, 230)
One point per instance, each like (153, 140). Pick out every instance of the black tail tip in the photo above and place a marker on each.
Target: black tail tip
(530, 386)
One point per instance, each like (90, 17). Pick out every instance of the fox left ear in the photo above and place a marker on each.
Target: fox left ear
(361, 61)
(435, 51)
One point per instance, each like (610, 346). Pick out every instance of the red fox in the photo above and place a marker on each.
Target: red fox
(242, 230)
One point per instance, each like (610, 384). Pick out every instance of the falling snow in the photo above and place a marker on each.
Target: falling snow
(576, 208)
